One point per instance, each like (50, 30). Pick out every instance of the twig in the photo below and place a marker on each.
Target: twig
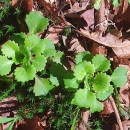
(101, 16)
(85, 116)
(116, 112)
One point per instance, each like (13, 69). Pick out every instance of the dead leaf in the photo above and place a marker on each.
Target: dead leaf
(53, 33)
(120, 48)
(108, 109)
(29, 124)
(25, 5)
(125, 124)
(76, 45)
(88, 16)
(75, 9)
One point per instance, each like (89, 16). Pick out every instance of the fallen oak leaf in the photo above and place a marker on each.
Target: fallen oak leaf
(120, 48)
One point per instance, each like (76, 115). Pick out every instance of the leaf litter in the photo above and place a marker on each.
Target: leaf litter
(62, 11)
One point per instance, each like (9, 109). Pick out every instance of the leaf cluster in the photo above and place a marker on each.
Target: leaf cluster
(36, 65)
(91, 82)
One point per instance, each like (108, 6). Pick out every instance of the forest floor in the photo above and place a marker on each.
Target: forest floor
(79, 27)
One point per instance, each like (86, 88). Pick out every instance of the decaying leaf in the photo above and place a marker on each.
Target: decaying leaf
(120, 48)
(76, 9)
(25, 5)
(108, 109)
(88, 16)
(74, 45)
(53, 33)
(125, 124)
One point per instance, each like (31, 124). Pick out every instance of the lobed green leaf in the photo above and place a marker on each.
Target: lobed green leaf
(101, 63)
(101, 82)
(31, 41)
(82, 69)
(36, 22)
(5, 65)
(42, 86)
(80, 57)
(24, 74)
(10, 48)
(119, 76)
(50, 48)
(83, 98)
(39, 62)
(104, 95)
(71, 83)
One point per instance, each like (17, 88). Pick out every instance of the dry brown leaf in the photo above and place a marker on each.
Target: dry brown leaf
(76, 45)
(25, 5)
(88, 16)
(53, 33)
(120, 48)
(76, 9)
(108, 109)
(29, 124)
(125, 124)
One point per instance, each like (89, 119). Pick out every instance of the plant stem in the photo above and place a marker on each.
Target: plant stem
(117, 98)
(116, 112)
(74, 120)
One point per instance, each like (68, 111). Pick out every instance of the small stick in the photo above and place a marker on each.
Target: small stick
(116, 112)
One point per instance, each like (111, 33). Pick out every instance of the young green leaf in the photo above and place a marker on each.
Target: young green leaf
(116, 3)
(18, 38)
(101, 63)
(82, 69)
(58, 71)
(50, 48)
(58, 57)
(27, 54)
(104, 95)
(42, 86)
(39, 62)
(119, 76)
(36, 22)
(101, 82)
(24, 74)
(83, 98)
(11, 125)
(97, 4)
(71, 83)
(5, 119)
(54, 80)
(96, 106)
(9, 48)
(83, 56)
(5, 65)
(31, 41)
(40, 47)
